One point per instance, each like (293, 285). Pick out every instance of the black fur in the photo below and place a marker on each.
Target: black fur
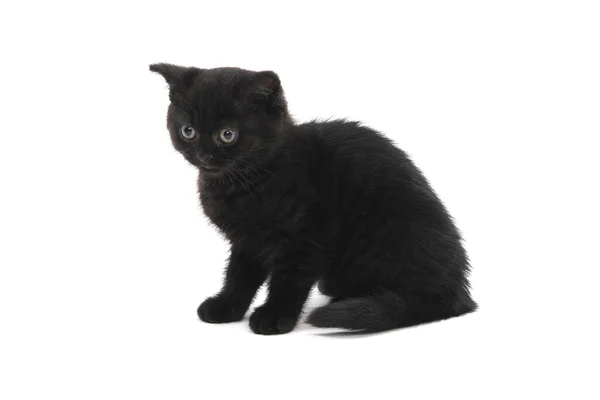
(330, 202)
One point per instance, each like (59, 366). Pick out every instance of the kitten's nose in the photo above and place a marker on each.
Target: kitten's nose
(204, 158)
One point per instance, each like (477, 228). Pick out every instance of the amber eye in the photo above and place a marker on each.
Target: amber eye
(227, 136)
(187, 132)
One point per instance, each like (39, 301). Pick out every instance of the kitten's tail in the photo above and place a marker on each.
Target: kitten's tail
(379, 312)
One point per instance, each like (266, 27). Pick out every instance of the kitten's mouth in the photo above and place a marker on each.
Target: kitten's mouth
(209, 168)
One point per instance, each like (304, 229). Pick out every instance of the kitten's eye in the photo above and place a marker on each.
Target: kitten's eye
(227, 136)
(187, 132)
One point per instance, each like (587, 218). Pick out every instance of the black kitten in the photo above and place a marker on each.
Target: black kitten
(332, 202)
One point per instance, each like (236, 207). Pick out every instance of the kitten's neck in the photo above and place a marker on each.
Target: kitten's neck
(241, 179)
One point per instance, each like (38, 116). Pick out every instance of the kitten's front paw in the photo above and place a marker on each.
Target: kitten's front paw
(268, 320)
(218, 309)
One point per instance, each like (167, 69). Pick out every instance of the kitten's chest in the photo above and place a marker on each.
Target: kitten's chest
(234, 213)
(256, 215)
(221, 211)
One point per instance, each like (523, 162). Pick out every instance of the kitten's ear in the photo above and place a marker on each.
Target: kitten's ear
(265, 83)
(265, 87)
(173, 74)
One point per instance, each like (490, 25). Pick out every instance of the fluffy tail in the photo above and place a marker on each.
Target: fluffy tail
(379, 312)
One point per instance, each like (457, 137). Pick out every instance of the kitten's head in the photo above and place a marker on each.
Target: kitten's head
(223, 117)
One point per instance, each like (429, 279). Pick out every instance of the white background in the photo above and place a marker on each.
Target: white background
(105, 254)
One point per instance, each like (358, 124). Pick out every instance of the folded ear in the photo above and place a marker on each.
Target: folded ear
(173, 74)
(265, 88)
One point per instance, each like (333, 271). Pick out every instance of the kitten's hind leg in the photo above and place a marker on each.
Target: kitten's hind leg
(337, 287)
(371, 312)
(325, 288)
(335, 293)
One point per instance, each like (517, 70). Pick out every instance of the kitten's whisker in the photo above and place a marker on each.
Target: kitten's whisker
(236, 177)
(253, 185)
(246, 184)
(254, 166)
